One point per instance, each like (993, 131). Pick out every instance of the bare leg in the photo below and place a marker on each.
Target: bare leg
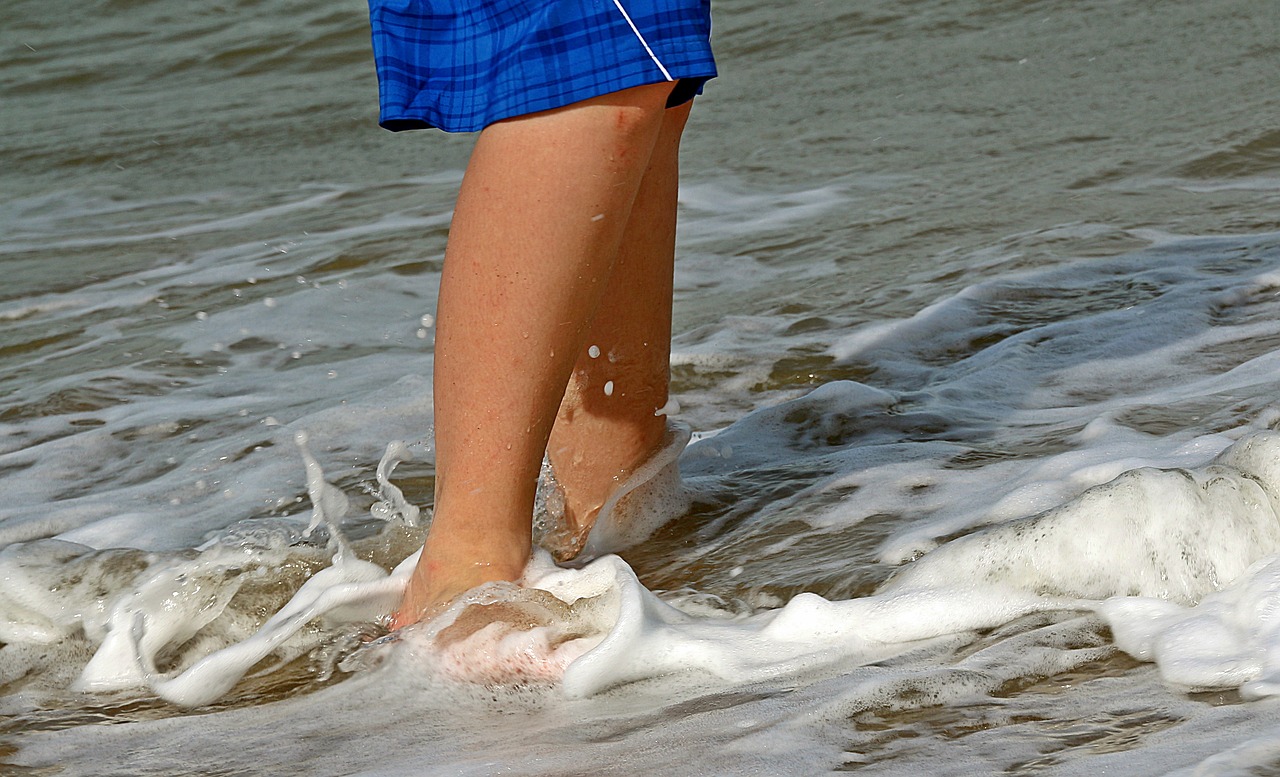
(607, 424)
(535, 234)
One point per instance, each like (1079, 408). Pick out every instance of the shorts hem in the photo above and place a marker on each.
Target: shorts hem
(684, 89)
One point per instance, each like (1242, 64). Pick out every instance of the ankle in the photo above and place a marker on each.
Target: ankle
(595, 457)
(500, 548)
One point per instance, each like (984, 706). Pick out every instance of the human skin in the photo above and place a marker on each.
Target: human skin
(562, 239)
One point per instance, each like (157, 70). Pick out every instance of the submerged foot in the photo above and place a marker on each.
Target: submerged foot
(449, 568)
(640, 500)
(512, 636)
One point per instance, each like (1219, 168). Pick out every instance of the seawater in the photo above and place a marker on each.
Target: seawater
(976, 329)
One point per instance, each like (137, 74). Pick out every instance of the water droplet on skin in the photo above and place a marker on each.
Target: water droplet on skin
(608, 389)
(594, 352)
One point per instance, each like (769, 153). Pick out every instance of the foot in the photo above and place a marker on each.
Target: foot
(632, 504)
(450, 565)
(573, 492)
(523, 636)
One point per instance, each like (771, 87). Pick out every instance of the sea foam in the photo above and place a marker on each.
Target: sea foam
(1178, 561)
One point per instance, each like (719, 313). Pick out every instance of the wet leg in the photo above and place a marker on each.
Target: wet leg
(535, 235)
(607, 424)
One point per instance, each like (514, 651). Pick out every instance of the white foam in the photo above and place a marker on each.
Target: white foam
(652, 639)
(175, 603)
(1164, 540)
(982, 428)
(651, 496)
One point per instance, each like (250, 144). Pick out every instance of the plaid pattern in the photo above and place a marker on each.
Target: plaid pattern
(461, 65)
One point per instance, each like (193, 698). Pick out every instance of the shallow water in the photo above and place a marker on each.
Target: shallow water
(944, 266)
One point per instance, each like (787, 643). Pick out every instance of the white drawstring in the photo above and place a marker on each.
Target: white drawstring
(643, 42)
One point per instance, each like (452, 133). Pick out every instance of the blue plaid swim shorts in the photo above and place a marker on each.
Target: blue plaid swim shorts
(461, 65)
